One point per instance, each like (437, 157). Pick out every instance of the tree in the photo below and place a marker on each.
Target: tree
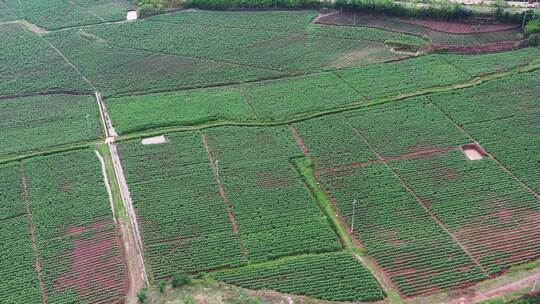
(180, 279)
(141, 295)
(161, 286)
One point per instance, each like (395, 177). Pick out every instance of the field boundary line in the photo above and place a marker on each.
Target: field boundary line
(221, 189)
(501, 165)
(312, 181)
(68, 62)
(37, 261)
(248, 101)
(420, 201)
(132, 134)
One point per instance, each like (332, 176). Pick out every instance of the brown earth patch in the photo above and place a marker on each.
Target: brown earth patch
(96, 267)
(459, 27)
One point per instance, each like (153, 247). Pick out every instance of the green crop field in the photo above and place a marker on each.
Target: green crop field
(47, 120)
(309, 158)
(30, 65)
(54, 14)
(75, 234)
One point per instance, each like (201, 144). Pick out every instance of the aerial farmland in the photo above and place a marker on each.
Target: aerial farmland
(283, 151)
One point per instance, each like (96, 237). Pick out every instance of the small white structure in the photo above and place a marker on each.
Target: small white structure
(156, 140)
(473, 151)
(132, 15)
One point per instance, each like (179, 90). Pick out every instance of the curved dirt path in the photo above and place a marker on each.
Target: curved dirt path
(498, 291)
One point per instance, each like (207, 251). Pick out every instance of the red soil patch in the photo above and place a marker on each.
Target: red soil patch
(478, 49)
(97, 270)
(459, 27)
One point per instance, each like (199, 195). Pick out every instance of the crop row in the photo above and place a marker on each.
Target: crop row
(331, 141)
(502, 115)
(417, 254)
(298, 22)
(76, 238)
(53, 14)
(473, 39)
(282, 98)
(183, 218)
(422, 127)
(116, 70)
(294, 50)
(47, 120)
(18, 279)
(276, 214)
(332, 276)
(494, 216)
(29, 65)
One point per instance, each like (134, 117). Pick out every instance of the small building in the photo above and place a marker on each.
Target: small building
(132, 15)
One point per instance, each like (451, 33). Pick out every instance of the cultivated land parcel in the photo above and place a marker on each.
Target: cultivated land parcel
(274, 126)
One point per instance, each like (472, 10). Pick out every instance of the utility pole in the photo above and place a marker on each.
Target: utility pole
(353, 211)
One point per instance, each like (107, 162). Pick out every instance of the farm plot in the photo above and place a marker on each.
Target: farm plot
(422, 128)
(42, 121)
(496, 62)
(54, 14)
(18, 279)
(491, 214)
(330, 276)
(116, 70)
(183, 218)
(29, 66)
(441, 38)
(282, 21)
(503, 116)
(78, 245)
(132, 113)
(398, 78)
(276, 99)
(278, 51)
(332, 141)
(276, 214)
(416, 253)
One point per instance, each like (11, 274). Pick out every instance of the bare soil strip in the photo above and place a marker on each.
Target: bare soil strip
(221, 189)
(455, 123)
(105, 118)
(421, 202)
(422, 153)
(37, 264)
(130, 233)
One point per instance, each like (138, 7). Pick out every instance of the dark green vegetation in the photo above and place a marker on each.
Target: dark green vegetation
(53, 14)
(331, 276)
(47, 120)
(60, 203)
(183, 218)
(260, 203)
(18, 280)
(286, 98)
(30, 65)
